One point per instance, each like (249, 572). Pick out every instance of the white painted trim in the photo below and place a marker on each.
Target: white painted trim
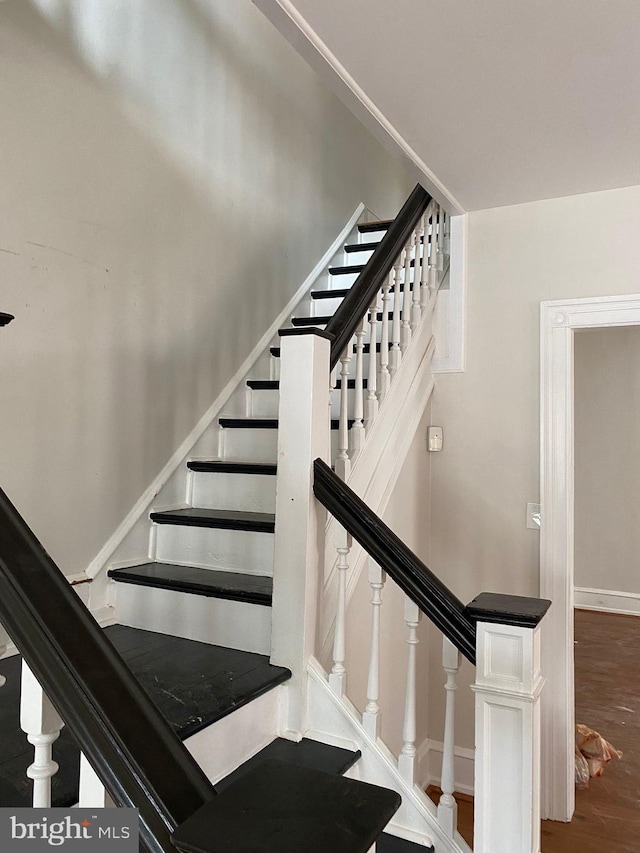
(607, 601)
(146, 500)
(558, 320)
(456, 333)
(299, 33)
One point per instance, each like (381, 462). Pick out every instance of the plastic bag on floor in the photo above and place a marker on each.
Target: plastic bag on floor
(582, 770)
(594, 750)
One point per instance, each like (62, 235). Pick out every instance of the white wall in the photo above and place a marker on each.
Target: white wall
(171, 171)
(518, 256)
(607, 459)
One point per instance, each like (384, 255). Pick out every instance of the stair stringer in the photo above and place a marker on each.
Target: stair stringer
(378, 466)
(132, 541)
(336, 721)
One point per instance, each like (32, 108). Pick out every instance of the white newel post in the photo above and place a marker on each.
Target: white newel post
(507, 688)
(4, 642)
(40, 721)
(303, 435)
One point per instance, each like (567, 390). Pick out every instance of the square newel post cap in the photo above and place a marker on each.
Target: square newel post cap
(517, 610)
(5, 319)
(308, 330)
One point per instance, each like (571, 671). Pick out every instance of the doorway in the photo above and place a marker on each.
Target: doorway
(560, 319)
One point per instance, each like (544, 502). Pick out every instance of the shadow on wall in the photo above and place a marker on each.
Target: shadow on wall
(160, 160)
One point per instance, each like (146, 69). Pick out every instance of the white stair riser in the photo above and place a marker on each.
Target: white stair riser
(234, 624)
(236, 738)
(359, 257)
(250, 445)
(372, 236)
(265, 405)
(249, 492)
(229, 550)
(343, 279)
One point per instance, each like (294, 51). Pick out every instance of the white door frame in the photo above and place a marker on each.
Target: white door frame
(559, 320)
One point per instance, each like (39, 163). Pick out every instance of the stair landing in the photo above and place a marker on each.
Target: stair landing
(193, 684)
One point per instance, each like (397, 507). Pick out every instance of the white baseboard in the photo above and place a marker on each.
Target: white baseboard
(149, 497)
(607, 601)
(430, 766)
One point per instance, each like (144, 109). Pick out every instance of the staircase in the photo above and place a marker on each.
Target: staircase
(235, 569)
(219, 550)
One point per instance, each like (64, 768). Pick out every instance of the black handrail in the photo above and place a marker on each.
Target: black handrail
(132, 748)
(433, 597)
(5, 319)
(344, 323)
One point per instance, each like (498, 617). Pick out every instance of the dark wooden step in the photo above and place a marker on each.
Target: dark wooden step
(274, 385)
(340, 293)
(360, 247)
(231, 586)
(322, 321)
(357, 268)
(193, 684)
(279, 807)
(218, 466)
(304, 753)
(249, 423)
(380, 225)
(226, 519)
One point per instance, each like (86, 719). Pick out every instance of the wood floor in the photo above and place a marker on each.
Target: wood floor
(607, 815)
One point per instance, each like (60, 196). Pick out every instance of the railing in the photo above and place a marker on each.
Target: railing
(73, 673)
(381, 313)
(500, 632)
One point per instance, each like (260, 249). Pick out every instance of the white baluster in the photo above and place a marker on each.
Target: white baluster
(357, 433)
(371, 716)
(372, 378)
(447, 234)
(385, 376)
(441, 227)
(4, 642)
(395, 353)
(416, 310)
(405, 332)
(93, 794)
(343, 463)
(41, 723)
(424, 269)
(338, 675)
(407, 758)
(447, 807)
(433, 251)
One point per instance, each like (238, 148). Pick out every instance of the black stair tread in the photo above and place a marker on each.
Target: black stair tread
(380, 225)
(279, 807)
(304, 753)
(228, 519)
(345, 270)
(274, 385)
(322, 321)
(249, 423)
(361, 247)
(340, 293)
(194, 684)
(390, 844)
(219, 466)
(231, 586)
